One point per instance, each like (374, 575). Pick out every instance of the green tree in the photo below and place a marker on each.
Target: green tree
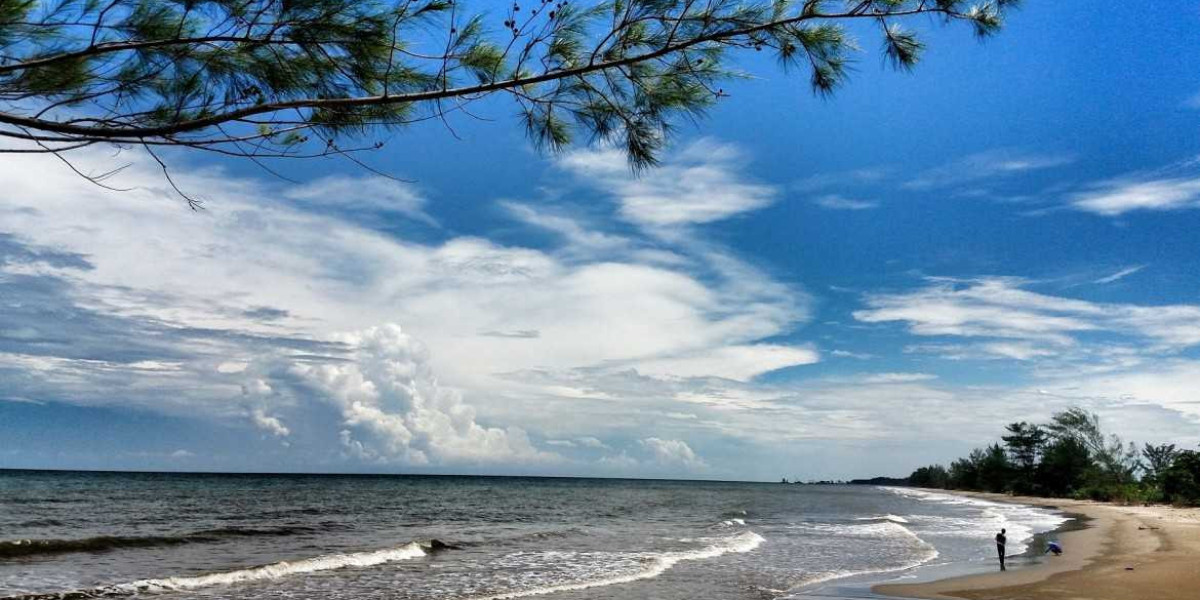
(1024, 442)
(933, 476)
(296, 78)
(1115, 463)
(964, 473)
(1156, 460)
(1064, 467)
(995, 471)
(1181, 481)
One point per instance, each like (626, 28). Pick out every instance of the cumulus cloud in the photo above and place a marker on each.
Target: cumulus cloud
(580, 442)
(671, 453)
(591, 442)
(394, 410)
(268, 423)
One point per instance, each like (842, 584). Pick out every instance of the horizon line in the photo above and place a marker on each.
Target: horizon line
(370, 474)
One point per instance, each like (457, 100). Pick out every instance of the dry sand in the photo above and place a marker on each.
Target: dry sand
(1126, 553)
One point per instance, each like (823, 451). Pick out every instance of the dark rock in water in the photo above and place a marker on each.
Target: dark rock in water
(438, 545)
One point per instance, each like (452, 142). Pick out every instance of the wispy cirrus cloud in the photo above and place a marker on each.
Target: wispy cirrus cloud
(351, 194)
(989, 307)
(837, 202)
(1119, 275)
(842, 179)
(1193, 101)
(1024, 325)
(992, 164)
(578, 235)
(1117, 197)
(702, 183)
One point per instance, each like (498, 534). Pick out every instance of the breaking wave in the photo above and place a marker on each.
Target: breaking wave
(260, 573)
(888, 517)
(1022, 521)
(886, 527)
(654, 565)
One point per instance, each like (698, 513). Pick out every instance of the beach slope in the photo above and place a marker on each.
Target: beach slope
(1125, 553)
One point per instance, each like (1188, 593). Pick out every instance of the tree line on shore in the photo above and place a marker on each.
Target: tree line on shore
(1072, 457)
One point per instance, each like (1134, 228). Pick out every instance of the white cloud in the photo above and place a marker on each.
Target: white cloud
(591, 442)
(982, 308)
(740, 363)
(897, 377)
(1193, 101)
(581, 442)
(375, 194)
(672, 453)
(268, 423)
(619, 463)
(1119, 197)
(700, 184)
(1031, 324)
(981, 166)
(246, 303)
(1016, 350)
(394, 409)
(577, 236)
(1122, 274)
(852, 178)
(638, 339)
(836, 202)
(1171, 385)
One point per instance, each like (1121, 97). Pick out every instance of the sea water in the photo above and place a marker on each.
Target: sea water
(299, 537)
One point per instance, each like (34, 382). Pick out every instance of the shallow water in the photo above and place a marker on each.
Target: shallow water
(252, 537)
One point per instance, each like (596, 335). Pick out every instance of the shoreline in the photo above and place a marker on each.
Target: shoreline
(1122, 552)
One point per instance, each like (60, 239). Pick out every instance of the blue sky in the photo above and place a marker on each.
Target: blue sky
(807, 287)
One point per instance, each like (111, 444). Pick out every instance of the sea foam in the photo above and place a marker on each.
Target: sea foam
(1021, 521)
(260, 573)
(656, 565)
(279, 569)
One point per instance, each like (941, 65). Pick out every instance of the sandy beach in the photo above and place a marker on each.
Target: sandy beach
(1125, 552)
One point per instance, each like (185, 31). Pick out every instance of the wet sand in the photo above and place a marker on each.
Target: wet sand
(1125, 553)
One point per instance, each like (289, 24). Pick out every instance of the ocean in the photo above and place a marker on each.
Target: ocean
(296, 537)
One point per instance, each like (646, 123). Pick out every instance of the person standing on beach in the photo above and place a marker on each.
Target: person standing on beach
(1001, 539)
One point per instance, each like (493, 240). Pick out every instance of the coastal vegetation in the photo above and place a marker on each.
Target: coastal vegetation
(1071, 457)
